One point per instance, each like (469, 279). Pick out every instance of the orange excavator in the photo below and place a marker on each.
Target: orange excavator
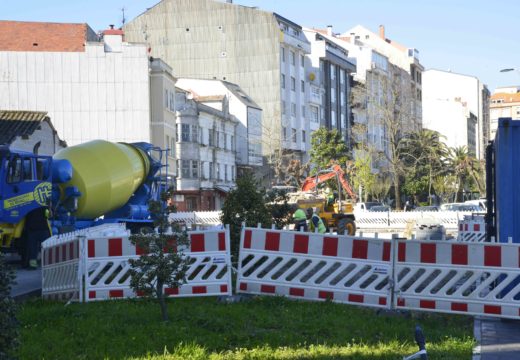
(337, 214)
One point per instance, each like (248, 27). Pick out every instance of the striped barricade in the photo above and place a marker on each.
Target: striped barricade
(313, 266)
(472, 229)
(465, 278)
(100, 261)
(107, 267)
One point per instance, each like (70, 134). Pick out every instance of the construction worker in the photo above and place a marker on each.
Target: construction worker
(300, 220)
(315, 222)
(36, 230)
(330, 196)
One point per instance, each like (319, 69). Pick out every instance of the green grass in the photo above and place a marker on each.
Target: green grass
(262, 328)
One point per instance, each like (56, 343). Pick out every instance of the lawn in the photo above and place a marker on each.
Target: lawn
(260, 328)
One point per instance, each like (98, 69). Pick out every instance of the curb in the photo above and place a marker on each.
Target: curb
(477, 333)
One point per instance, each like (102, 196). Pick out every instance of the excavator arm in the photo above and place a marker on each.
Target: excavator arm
(313, 181)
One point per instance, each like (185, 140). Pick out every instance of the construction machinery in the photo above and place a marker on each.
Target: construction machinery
(80, 186)
(336, 213)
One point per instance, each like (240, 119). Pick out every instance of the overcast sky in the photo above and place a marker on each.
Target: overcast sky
(473, 37)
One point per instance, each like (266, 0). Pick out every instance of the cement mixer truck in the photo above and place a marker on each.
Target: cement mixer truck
(80, 186)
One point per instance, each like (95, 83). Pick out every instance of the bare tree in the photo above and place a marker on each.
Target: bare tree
(384, 104)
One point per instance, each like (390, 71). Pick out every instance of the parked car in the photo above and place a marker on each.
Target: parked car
(380, 208)
(461, 207)
(366, 206)
(427, 208)
(482, 203)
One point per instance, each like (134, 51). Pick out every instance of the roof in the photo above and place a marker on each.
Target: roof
(506, 97)
(19, 123)
(43, 36)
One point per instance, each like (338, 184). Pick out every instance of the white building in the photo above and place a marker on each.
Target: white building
(220, 94)
(505, 102)
(445, 87)
(204, 152)
(90, 89)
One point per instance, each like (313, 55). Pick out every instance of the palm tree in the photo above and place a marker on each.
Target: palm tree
(426, 155)
(465, 167)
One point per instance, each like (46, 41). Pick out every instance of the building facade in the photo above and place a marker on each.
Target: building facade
(91, 88)
(260, 51)
(445, 87)
(220, 95)
(329, 74)
(505, 102)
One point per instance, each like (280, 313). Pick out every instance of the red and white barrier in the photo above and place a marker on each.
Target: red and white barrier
(314, 266)
(473, 278)
(472, 229)
(99, 259)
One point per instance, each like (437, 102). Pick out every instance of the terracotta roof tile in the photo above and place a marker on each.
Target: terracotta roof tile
(507, 98)
(41, 36)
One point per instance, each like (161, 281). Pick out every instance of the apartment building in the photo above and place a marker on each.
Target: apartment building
(401, 57)
(260, 51)
(204, 152)
(226, 96)
(461, 91)
(92, 87)
(329, 73)
(505, 102)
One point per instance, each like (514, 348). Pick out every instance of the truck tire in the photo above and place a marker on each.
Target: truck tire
(346, 225)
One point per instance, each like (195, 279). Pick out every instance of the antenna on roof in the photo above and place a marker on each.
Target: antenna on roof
(124, 19)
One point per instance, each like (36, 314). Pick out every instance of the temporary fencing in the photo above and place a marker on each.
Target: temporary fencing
(472, 228)
(453, 277)
(98, 265)
(314, 266)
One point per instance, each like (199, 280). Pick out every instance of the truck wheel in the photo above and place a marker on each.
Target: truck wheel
(346, 225)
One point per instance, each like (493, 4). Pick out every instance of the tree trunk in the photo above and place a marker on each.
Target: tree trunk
(397, 192)
(162, 301)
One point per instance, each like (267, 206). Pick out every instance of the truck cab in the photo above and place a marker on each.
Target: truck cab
(25, 187)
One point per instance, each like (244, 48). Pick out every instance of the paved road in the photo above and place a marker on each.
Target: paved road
(27, 282)
(499, 339)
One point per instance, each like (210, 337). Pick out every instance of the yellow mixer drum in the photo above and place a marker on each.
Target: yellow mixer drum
(105, 173)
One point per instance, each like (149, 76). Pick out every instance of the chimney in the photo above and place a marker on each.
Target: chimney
(113, 39)
(382, 32)
(329, 30)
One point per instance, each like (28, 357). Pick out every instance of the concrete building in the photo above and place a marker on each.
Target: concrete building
(205, 154)
(399, 55)
(329, 77)
(30, 131)
(442, 87)
(505, 102)
(221, 94)
(90, 88)
(260, 51)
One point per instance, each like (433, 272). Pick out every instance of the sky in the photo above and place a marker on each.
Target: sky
(471, 37)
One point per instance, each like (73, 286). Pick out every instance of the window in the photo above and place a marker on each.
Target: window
(293, 58)
(185, 169)
(303, 136)
(217, 137)
(195, 133)
(283, 55)
(285, 133)
(302, 86)
(225, 173)
(232, 173)
(333, 95)
(211, 137)
(343, 122)
(42, 169)
(14, 170)
(293, 135)
(283, 81)
(225, 140)
(303, 111)
(333, 120)
(195, 169)
(210, 170)
(314, 113)
(217, 169)
(177, 168)
(332, 72)
(342, 76)
(283, 107)
(302, 60)
(166, 97)
(293, 83)
(293, 109)
(342, 98)
(185, 136)
(232, 143)
(172, 101)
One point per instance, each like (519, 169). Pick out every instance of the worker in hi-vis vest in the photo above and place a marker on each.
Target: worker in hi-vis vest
(315, 222)
(300, 220)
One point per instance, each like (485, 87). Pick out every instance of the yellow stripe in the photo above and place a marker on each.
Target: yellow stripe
(18, 200)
